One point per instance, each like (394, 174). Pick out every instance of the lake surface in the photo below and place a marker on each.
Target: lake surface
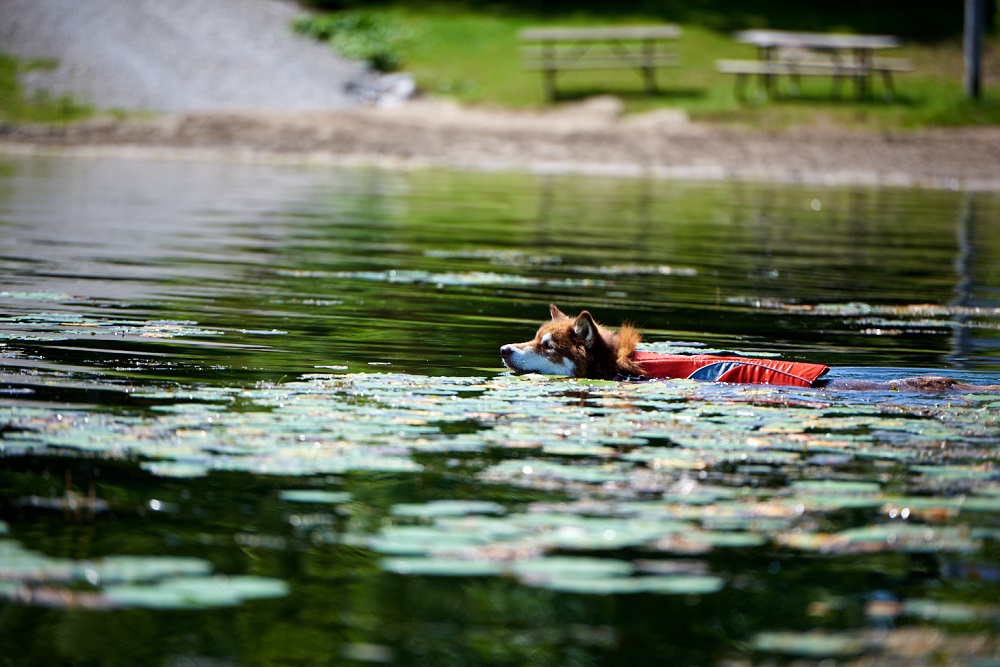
(255, 414)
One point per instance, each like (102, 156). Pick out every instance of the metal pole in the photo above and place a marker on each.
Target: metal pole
(973, 47)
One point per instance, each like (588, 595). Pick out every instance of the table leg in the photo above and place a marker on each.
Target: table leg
(648, 72)
(549, 63)
(765, 54)
(863, 78)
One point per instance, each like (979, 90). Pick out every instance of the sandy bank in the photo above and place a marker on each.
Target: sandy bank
(591, 137)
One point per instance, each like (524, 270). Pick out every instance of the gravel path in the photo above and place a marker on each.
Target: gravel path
(177, 55)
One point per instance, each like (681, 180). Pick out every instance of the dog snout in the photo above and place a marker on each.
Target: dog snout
(506, 351)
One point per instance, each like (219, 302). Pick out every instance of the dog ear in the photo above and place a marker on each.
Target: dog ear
(555, 312)
(585, 328)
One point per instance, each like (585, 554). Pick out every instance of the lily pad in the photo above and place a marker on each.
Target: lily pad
(196, 593)
(573, 567)
(810, 644)
(315, 496)
(441, 508)
(615, 585)
(829, 487)
(442, 567)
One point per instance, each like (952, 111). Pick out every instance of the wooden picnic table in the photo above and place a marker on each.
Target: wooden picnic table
(814, 53)
(639, 47)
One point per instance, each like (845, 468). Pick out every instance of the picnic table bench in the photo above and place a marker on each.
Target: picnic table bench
(798, 54)
(554, 50)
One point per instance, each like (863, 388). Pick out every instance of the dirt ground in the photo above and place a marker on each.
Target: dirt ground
(590, 137)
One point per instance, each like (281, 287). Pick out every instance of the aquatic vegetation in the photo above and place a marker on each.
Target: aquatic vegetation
(195, 463)
(885, 319)
(316, 496)
(469, 279)
(69, 326)
(622, 439)
(115, 582)
(811, 644)
(642, 468)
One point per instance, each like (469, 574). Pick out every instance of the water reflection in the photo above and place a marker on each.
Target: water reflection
(158, 318)
(241, 248)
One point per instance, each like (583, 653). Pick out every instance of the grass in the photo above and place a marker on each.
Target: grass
(473, 56)
(17, 105)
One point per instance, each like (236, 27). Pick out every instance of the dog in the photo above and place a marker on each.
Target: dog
(580, 347)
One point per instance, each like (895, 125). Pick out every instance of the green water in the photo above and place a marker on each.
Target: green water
(256, 415)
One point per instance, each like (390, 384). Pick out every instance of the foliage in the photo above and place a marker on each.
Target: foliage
(913, 19)
(17, 105)
(372, 37)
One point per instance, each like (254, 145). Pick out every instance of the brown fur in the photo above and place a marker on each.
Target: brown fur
(931, 384)
(594, 351)
(597, 352)
(628, 340)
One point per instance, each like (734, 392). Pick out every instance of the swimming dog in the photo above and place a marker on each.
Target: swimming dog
(580, 347)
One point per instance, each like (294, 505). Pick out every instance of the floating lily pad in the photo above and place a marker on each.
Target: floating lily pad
(196, 593)
(468, 279)
(442, 567)
(617, 585)
(899, 537)
(439, 508)
(680, 584)
(572, 566)
(244, 587)
(66, 326)
(158, 597)
(821, 502)
(315, 496)
(732, 540)
(825, 487)
(949, 612)
(810, 644)
(155, 582)
(418, 540)
(149, 568)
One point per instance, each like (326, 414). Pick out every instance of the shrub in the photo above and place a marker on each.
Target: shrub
(368, 36)
(17, 105)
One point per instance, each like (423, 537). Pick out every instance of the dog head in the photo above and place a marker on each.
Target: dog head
(571, 346)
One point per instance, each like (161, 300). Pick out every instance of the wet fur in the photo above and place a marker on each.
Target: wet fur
(580, 347)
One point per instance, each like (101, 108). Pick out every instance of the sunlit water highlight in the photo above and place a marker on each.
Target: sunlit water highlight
(258, 412)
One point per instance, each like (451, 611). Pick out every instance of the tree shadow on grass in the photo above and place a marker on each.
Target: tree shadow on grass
(874, 100)
(925, 20)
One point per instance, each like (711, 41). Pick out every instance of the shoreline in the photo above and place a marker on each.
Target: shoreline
(590, 138)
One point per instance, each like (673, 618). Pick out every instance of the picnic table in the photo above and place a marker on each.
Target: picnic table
(552, 50)
(797, 54)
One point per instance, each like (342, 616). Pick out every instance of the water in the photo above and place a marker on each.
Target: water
(191, 351)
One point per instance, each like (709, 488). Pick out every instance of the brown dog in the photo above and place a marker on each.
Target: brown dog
(580, 347)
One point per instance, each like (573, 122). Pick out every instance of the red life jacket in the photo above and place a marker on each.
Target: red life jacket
(729, 369)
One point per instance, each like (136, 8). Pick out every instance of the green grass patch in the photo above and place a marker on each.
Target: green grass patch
(473, 56)
(17, 105)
